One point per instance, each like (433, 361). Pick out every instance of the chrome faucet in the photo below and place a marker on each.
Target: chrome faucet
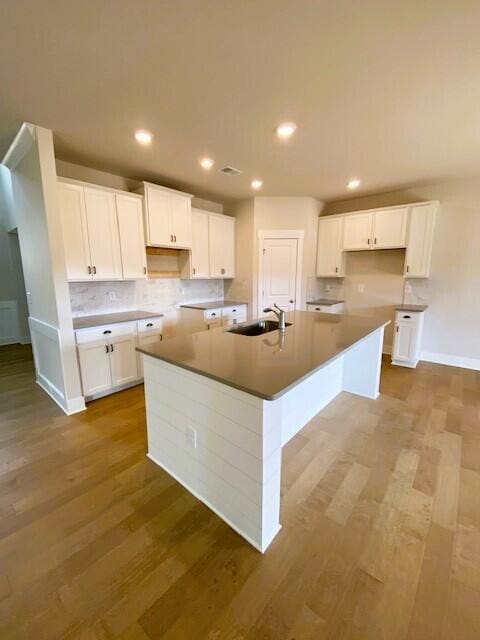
(280, 315)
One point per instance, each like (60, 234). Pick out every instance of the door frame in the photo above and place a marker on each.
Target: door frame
(278, 234)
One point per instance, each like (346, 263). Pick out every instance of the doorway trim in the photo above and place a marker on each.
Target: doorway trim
(276, 234)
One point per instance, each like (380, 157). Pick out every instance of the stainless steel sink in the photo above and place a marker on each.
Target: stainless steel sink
(257, 328)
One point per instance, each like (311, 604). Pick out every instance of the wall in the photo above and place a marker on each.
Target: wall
(241, 287)
(34, 188)
(451, 332)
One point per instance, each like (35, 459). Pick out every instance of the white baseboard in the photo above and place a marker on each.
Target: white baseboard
(387, 349)
(25, 340)
(451, 361)
(75, 405)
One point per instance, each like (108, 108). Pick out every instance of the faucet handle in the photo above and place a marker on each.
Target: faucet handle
(276, 305)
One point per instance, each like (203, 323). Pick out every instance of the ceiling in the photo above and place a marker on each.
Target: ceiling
(386, 91)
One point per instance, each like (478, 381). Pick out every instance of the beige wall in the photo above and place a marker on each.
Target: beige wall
(266, 213)
(452, 323)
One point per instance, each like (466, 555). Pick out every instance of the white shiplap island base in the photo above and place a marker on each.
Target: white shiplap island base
(224, 444)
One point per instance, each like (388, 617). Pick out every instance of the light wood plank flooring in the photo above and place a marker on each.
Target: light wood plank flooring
(381, 515)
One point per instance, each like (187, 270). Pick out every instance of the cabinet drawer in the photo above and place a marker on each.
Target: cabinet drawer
(408, 317)
(326, 308)
(213, 314)
(234, 312)
(213, 324)
(105, 332)
(149, 324)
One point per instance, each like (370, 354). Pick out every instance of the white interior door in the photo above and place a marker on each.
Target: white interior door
(103, 234)
(279, 273)
(132, 240)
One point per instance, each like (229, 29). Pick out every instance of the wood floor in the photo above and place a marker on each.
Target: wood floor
(380, 513)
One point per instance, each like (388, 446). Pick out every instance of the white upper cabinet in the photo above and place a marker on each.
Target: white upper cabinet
(75, 232)
(200, 260)
(420, 240)
(329, 249)
(103, 234)
(132, 240)
(357, 231)
(168, 217)
(390, 228)
(222, 246)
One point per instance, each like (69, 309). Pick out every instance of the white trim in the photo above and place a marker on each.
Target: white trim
(394, 206)
(387, 349)
(273, 234)
(92, 185)
(451, 361)
(12, 324)
(214, 509)
(20, 146)
(75, 405)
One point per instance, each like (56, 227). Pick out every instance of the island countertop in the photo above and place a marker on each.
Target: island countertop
(270, 364)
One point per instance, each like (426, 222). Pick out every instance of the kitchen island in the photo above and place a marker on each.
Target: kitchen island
(221, 405)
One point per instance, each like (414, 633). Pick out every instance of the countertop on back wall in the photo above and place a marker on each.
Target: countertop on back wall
(83, 322)
(214, 304)
(324, 301)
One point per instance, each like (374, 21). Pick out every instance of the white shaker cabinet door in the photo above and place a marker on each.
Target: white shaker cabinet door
(158, 217)
(200, 245)
(390, 228)
(103, 234)
(94, 367)
(132, 240)
(357, 232)
(75, 232)
(123, 360)
(329, 248)
(222, 246)
(404, 342)
(181, 221)
(420, 241)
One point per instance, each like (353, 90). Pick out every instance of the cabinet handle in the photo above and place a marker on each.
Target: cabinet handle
(94, 269)
(222, 271)
(174, 238)
(149, 324)
(368, 240)
(374, 241)
(336, 269)
(106, 332)
(397, 329)
(160, 337)
(317, 309)
(106, 348)
(89, 269)
(145, 270)
(214, 314)
(171, 238)
(407, 317)
(193, 270)
(111, 348)
(233, 310)
(408, 268)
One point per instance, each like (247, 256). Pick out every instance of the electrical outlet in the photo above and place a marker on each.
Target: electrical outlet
(112, 295)
(361, 288)
(408, 287)
(191, 436)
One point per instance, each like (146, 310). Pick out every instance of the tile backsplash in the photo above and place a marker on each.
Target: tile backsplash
(162, 295)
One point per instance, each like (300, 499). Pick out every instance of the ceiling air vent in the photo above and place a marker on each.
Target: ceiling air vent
(230, 171)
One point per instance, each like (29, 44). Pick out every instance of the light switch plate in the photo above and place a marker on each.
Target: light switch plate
(361, 288)
(191, 436)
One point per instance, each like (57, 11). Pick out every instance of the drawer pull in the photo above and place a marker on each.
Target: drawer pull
(233, 310)
(214, 314)
(149, 324)
(106, 332)
(317, 309)
(407, 317)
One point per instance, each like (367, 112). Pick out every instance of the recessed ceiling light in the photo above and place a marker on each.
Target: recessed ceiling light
(143, 137)
(286, 129)
(353, 184)
(206, 163)
(256, 184)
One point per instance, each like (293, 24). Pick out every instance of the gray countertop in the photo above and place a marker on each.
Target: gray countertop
(325, 301)
(411, 307)
(268, 365)
(84, 322)
(214, 304)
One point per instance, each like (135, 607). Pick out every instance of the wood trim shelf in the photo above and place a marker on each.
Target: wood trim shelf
(163, 251)
(163, 274)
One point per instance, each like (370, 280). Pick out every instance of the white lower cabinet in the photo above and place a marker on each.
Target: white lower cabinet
(108, 358)
(407, 338)
(201, 319)
(325, 308)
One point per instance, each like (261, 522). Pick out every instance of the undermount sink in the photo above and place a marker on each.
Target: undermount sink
(257, 328)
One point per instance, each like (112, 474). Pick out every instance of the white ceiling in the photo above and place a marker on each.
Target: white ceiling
(385, 90)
